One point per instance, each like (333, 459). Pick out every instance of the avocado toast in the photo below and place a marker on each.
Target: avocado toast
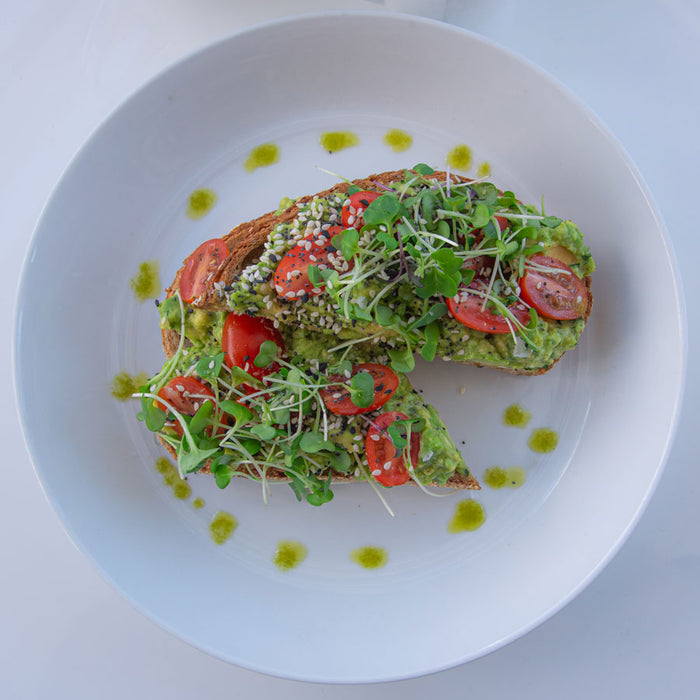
(288, 339)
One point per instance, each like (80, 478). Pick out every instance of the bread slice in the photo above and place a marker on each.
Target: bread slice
(246, 242)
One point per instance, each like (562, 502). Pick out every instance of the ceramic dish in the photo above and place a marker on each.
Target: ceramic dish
(442, 598)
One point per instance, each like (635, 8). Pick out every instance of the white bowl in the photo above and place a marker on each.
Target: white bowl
(442, 599)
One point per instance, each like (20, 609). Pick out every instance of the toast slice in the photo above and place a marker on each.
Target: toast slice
(243, 282)
(250, 241)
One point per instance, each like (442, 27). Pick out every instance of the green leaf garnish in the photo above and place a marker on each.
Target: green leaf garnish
(447, 260)
(340, 461)
(239, 412)
(315, 442)
(347, 242)
(362, 389)
(551, 221)
(533, 320)
(192, 458)
(154, 417)
(209, 366)
(385, 209)
(422, 169)
(467, 275)
(264, 432)
(481, 216)
(200, 420)
(384, 315)
(447, 283)
(435, 312)
(390, 243)
(432, 336)
(397, 433)
(315, 276)
(402, 360)
(267, 354)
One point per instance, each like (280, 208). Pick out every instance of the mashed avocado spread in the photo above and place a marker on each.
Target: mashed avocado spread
(380, 301)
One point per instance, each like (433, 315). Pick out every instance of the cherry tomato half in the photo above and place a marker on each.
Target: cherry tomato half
(468, 308)
(185, 394)
(555, 292)
(351, 214)
(337, 398)
(199, 266)
(292, 274)
(241, 340)
(385, 465)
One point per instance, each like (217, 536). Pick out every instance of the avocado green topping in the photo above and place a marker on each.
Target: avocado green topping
(418, 248)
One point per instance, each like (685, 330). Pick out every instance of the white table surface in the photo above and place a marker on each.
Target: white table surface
(633, 633)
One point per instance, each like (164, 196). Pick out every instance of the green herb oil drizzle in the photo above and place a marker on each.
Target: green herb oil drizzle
(222, 527)
(180, 488)
(262, 156)
(460, 157)
(543, 440)
(333, 141)
(201, 203)
(398, 140)
(370, 557)
(498, 478)
(483, 169)
(469, 515)
(124, 384)
(516, 416)
(289, 554)
(145, 284)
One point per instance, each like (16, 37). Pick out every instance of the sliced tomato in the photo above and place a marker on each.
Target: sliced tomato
(386, 465)
(468, 308)
(199, 266)
(185, 394)
(553, 288)
(241, 340)
(351, 214)
(337, 398)
(292, 274)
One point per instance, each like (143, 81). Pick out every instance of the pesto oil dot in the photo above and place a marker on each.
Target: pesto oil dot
(262, 156)
(460, 157)
(171, 478)
(222, 527)
(370, 557)
(499, 478)
(483, 169)
(469, 515)
(333, 141)
(145, 284)
(289, 554)
(200, 203)
(124, 384)
(398, 140)
(516, 416)
(543, 440)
